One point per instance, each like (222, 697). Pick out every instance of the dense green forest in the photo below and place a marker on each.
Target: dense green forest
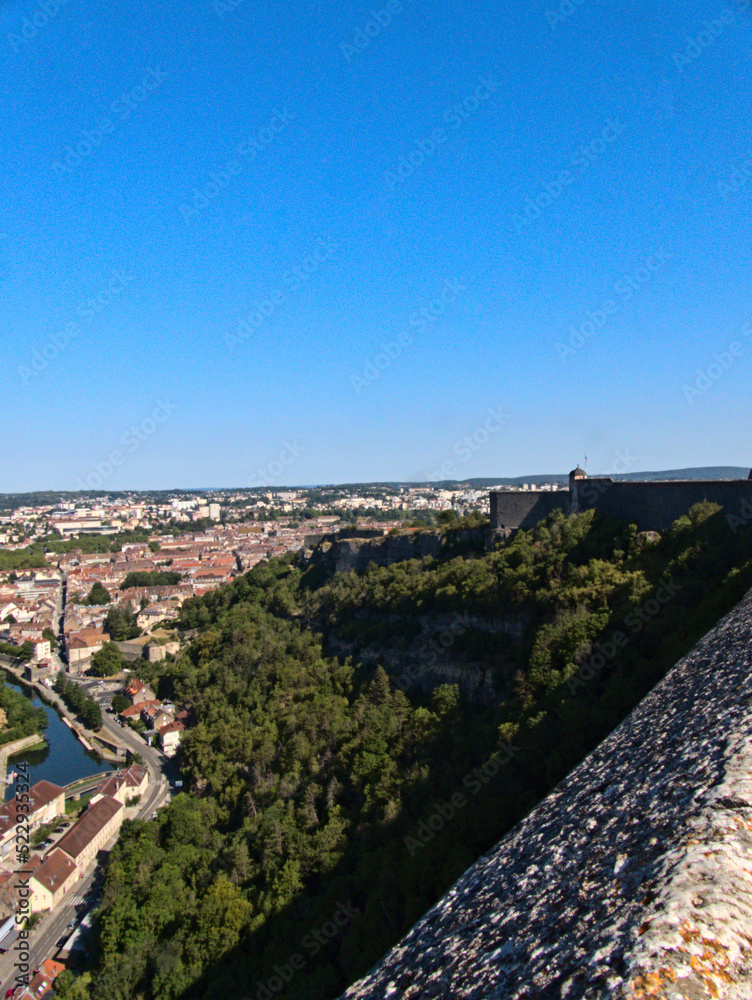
(327, 809)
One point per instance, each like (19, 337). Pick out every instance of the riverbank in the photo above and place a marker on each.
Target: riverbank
(65, 756)
(93, 741)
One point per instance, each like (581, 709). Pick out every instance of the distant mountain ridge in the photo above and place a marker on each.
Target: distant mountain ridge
(702, 472)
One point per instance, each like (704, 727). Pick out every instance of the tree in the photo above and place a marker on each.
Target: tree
(120, 703)
(120, 623)
(48, 634)
(98, 595)
(91, 713)
(70, 987)
(107, 661)
(447, 517)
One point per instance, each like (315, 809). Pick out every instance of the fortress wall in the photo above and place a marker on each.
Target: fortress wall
(525, 508)
(655, 506)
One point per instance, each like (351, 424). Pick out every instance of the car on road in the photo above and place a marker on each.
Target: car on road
(71, 925)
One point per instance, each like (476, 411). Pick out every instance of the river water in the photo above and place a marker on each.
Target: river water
(64, 759)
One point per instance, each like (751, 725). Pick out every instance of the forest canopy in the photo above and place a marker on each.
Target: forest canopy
(316, 786)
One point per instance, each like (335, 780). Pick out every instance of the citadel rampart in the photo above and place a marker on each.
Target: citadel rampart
(524, 509)
(652, 506)
(655, 506)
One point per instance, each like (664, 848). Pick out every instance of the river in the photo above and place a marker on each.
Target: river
(64, 759)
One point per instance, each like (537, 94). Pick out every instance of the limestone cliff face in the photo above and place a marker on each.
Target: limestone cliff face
(346, 554)
(632, 879)
(432, 657)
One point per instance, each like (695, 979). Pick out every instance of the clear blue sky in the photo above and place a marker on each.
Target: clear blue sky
(167, 167)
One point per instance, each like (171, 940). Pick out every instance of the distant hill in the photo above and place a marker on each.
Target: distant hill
(704, 472)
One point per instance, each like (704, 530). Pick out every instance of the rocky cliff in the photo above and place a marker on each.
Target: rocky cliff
(342, 555)
(632, 879)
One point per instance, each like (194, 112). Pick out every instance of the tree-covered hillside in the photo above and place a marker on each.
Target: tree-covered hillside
(327, 809)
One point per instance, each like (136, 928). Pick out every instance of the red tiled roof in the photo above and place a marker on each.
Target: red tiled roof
(56, 869)
(85, 829)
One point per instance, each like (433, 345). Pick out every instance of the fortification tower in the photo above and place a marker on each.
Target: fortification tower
(574, 476)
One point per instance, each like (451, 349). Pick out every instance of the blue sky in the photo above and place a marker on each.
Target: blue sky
(340, 239)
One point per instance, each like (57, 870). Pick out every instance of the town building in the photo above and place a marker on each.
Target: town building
(101, 821)
(45, 802)
(52, 880)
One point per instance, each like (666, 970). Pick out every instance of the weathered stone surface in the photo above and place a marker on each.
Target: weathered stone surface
(632, 879)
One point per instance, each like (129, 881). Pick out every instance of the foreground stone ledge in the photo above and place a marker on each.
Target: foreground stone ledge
(632, 879)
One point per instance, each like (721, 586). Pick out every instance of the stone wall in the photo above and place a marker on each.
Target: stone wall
(655, 506)
(525, 508)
